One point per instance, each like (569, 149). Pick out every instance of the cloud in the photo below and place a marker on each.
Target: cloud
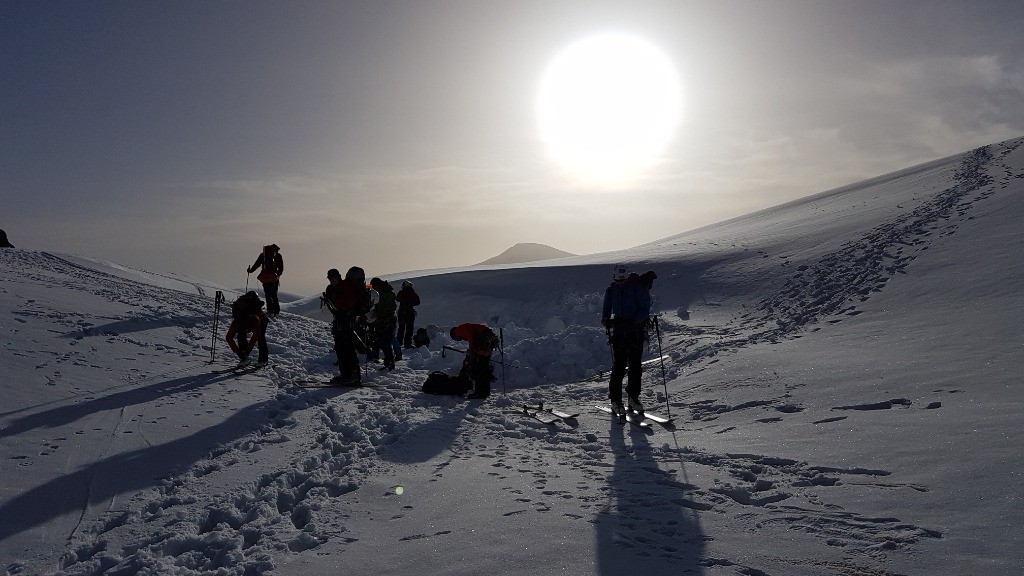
(937, 105)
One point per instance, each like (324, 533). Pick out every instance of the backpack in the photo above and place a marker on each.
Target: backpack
(421, 338)
(386, 305)
(628, 300)
(444, 384)
(485, 340)
(268, 275)
(492, 338)
(243, 308)
(363, 302)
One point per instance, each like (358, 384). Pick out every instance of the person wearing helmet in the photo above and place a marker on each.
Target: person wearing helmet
(625, 314)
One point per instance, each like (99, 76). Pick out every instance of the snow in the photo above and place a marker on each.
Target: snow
(844, 371)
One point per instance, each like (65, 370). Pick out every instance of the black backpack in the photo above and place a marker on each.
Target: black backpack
(244, 307)
(421, 338)
(444, 384)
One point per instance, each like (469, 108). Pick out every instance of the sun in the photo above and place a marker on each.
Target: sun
(607, 108)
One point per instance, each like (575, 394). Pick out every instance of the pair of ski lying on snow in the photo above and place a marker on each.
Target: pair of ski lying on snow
(551, 415)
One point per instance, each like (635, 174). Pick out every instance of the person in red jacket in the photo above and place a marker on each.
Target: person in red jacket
(272, 267)
(477, 365)
(248, 318)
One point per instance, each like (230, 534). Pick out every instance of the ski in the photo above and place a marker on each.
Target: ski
(620, 417)
(657, 418)
(540, 415)
(559, 413)
(333, 383)
(628, 417)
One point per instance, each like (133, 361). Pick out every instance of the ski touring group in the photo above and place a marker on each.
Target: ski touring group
(373, 320)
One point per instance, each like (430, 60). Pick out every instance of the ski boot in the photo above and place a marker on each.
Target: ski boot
(636, 407)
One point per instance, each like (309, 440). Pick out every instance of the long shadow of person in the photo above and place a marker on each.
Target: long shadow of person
(643, 528)
(69, 413)
(122, 473)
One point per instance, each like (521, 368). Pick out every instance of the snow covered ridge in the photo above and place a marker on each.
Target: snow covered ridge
(843, 373)
(170, 280)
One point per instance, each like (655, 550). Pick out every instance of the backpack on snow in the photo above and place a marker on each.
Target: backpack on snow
(445, 384)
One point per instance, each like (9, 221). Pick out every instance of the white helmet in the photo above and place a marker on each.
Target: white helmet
(620, 272)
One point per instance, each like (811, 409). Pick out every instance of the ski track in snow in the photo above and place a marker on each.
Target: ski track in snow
(338, 438)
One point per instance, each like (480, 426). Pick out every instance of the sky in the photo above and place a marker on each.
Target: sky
(402, 136)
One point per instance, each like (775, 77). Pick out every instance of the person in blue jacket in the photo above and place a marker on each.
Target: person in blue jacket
(625, 315)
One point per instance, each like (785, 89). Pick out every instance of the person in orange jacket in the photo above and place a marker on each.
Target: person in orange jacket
(477, 365)
(248, 318)
(272, 267)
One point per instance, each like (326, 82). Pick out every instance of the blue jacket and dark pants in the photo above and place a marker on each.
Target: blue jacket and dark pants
(627, 308)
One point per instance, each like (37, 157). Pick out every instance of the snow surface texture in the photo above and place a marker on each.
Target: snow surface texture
(844, 373)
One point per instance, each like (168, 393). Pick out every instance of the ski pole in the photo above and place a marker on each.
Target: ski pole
(247, 274)
(216, 320)
(661, 356)
(501, 348)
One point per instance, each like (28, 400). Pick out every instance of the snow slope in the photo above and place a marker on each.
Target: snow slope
(844, 372)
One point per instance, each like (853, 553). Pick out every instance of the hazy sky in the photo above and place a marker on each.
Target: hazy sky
(183, 135)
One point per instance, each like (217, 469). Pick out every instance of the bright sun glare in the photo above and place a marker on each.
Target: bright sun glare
(608, 106)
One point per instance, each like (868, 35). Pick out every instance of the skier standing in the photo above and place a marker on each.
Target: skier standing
(625, 314)
(272, 265)
(384, 322)
(407, 299)
(347, 300)
(477, 365)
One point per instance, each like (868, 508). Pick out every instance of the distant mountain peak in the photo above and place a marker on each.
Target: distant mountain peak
(527, 252)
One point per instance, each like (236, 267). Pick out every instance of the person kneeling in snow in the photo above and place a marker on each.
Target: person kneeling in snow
(477, 365)
(248, 317)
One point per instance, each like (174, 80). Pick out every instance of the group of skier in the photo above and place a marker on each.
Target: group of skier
(368, 319)
(372, 319)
